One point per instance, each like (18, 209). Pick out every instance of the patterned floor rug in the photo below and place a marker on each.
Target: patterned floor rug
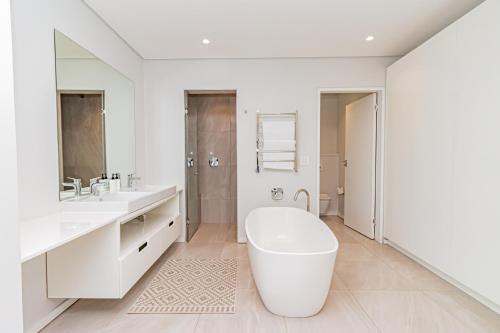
(191, 286)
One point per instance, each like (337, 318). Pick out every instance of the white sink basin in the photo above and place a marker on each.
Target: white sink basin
(124, 201)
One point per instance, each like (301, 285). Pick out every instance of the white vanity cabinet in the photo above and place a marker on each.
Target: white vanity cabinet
(107, 262)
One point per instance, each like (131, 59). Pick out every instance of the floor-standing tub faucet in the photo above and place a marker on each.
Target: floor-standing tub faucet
(308, 197)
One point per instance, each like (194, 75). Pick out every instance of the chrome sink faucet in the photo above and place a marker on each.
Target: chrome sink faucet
(76, 185)
(308, 197)
(95, 186)
(131, 180)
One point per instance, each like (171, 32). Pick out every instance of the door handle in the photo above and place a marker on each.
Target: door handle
(190, 162)
(344, 162)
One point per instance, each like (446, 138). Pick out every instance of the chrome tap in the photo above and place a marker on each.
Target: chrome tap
(308, 197)
(131, 179)
(95, 184)
(76, 185)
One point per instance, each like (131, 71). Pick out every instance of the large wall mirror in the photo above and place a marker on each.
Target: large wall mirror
(95, 108)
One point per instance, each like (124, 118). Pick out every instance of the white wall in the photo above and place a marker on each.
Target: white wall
(33, 24)
(443, 157)
(268, 85)
(93, 74)
(11, 319)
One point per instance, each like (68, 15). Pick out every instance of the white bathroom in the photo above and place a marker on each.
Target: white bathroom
(268, 167)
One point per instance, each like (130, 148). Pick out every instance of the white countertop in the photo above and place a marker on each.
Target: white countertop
(40, 235)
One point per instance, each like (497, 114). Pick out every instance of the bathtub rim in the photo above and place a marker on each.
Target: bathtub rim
(252, 242)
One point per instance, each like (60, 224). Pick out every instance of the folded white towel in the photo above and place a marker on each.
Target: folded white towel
(278, 165)
(277, 156)
(282, 129)
(278, 145)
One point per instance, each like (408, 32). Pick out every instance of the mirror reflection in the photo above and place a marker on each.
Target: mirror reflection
(95, 108)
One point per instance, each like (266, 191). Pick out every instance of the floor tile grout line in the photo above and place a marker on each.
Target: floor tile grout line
(414, 289)
(372, 320)
(197, 322)
(445, 309)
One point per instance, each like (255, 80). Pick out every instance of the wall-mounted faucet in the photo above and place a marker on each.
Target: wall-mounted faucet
(277, 193)
(308, 197)
(76, 185)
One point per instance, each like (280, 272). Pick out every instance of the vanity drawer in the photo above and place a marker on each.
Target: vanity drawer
(136, 263)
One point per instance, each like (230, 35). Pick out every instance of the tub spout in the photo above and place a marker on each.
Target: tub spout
(308, 197)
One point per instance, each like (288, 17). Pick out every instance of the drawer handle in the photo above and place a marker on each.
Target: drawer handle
(143, 246)
(171, 223)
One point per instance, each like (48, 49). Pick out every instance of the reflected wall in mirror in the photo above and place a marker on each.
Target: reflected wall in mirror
(95, 108)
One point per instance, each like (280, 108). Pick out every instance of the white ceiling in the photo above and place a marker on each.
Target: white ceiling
(170, 29)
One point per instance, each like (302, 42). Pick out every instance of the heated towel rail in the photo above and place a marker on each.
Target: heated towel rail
(284, 134)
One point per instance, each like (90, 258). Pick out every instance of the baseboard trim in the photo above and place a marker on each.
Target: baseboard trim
(480, 298)
(51, 316)
(331, 213)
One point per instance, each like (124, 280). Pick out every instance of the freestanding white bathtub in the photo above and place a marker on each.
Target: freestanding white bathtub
(292, 255)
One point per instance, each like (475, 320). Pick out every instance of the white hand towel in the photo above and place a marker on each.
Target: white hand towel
(269, 157)
(278, 129)
(279, 145)
(278, 165)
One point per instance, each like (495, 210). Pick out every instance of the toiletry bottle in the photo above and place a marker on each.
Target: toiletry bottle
(105, 181)
(118, 182)
(112, 184)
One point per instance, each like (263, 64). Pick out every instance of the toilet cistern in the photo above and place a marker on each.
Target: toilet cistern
(308, 197)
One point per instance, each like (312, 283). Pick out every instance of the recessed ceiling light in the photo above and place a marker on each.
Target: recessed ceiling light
(369, 38)
(206, 41)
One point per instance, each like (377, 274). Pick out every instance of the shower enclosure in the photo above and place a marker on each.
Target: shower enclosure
(210, 158)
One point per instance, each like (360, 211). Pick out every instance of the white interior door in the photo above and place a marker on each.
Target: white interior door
(360, 132)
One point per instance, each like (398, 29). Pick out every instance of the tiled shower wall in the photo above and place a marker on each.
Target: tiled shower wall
(217, 134)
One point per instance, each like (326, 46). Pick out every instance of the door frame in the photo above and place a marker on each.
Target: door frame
(379, 151)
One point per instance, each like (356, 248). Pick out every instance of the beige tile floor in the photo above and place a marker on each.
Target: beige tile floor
(374, 289)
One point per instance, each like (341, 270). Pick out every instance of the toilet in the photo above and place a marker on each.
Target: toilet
(324, 203)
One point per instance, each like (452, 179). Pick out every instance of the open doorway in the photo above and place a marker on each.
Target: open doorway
(210, 159)
(350, 153)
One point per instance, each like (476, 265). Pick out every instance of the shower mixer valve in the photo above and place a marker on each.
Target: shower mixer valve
(277, 193)
(213, 161)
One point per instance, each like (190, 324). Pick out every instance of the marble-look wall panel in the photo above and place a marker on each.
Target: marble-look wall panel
(217, 135)
(82, 136)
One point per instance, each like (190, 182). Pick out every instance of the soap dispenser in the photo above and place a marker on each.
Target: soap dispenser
(105, 181)
(112, 184)
(118, 182)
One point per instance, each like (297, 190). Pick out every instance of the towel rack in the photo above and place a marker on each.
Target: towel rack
(260, 140)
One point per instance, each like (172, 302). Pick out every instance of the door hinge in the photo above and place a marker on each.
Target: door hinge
(376, 107)
(374, 222)
(188, 222)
